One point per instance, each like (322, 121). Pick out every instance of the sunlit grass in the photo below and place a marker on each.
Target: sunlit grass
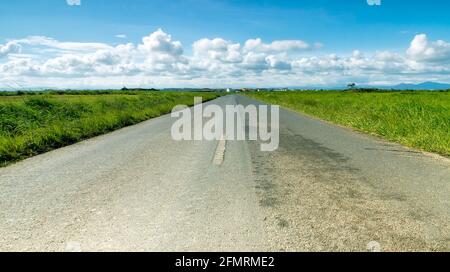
(33, 124)
(419, 119)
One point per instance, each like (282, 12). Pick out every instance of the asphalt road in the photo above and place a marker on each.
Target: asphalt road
(325, 189)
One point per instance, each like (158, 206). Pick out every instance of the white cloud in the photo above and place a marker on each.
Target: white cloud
(68, 46)
(161, 42)
(121, 36)
(423, 50)
(73, 2)
(218, 49)
(161, 61)
(279, 62)
(255, 61)
(9, 48)
(276, 46)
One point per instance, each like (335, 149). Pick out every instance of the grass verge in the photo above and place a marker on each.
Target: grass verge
(34, 124)
(418, 119)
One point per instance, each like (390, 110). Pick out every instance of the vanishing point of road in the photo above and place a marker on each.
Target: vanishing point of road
(326, 188)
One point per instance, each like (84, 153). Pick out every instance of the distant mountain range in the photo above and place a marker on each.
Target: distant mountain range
(421, 86)
(403, 86)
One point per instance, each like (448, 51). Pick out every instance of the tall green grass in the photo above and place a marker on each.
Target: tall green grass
(419, 119)
(33, 124)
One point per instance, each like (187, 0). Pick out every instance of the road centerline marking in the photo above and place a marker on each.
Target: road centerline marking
(219, 155)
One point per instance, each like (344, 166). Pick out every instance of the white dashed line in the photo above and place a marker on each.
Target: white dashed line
(220, 151)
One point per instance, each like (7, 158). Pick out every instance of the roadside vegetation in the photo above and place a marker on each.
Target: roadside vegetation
(419, 119)
(31, 124)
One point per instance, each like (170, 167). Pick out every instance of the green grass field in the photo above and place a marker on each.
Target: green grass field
(418, 119)
(33, 124)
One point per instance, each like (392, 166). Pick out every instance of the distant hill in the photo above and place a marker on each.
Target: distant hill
(403, 86)
(421, 86)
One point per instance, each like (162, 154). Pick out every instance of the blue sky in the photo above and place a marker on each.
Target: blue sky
(335, 31)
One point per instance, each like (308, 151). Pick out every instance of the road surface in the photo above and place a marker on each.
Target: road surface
(325, 189)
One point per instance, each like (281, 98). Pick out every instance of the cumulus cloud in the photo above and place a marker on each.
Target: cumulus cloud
(278, 62)
(255, 61)
(9, 48)
(162, 60)
(423, 50)
(161, 42)
(218, 49)
(161, 54)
